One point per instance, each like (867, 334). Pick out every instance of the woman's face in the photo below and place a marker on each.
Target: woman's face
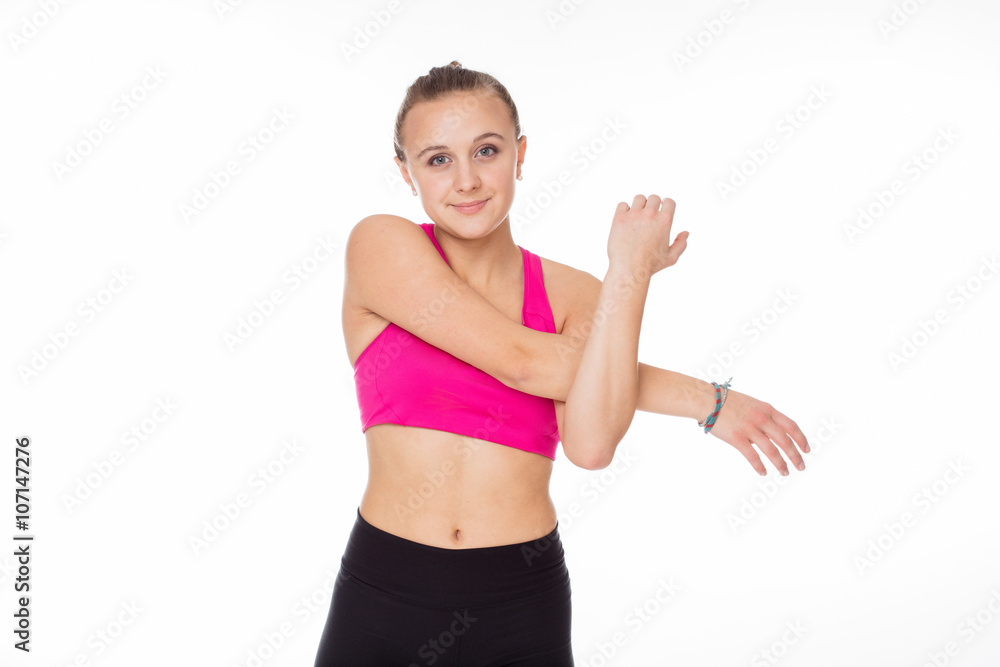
(461, 148)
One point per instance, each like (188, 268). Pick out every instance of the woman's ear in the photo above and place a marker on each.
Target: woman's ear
(403, 170)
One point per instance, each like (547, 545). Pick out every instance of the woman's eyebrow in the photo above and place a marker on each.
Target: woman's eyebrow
(479, 138)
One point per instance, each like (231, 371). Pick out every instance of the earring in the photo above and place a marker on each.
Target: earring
(414, 193)
(519, 177)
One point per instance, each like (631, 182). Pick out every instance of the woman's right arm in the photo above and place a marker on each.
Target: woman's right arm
(394, 270)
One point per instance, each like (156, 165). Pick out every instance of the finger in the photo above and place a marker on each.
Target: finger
(667, 207)
(653, 203)
(745, 447)
(765, 445)
(639, 201)
(792, 429)
(676, 248)
(781, 439)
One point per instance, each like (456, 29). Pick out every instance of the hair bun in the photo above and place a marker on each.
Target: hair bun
(455, 64)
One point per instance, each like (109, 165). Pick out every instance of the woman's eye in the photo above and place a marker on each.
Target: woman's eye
(484, 148)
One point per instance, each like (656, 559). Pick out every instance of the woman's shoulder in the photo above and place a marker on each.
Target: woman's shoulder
(368, 237)
(382, 222)
(571, 291)
(376, 246)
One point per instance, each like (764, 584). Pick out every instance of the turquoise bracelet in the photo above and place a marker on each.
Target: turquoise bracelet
(720, 399)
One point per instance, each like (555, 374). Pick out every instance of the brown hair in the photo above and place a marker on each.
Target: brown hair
(441, 81)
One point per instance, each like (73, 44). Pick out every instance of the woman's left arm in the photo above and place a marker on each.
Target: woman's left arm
(742, 422)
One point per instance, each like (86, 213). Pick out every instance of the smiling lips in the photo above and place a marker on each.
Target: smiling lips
(470, 207)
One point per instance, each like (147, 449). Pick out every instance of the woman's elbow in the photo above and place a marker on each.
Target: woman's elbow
(520, 369)
(592, 457)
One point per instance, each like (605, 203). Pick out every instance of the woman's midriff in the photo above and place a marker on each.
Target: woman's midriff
(454, 491)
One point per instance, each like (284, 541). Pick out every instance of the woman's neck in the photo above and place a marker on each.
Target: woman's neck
(487, 264)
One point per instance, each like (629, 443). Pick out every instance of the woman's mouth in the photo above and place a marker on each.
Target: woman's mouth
(470, 207)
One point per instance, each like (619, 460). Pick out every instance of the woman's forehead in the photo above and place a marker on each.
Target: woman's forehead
(459, 118)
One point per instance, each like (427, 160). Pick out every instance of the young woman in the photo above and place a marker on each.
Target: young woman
(473, 359)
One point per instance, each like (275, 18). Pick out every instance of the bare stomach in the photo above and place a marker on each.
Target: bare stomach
(453, 491)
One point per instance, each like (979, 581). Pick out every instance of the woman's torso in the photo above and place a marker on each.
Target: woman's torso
(450, 490)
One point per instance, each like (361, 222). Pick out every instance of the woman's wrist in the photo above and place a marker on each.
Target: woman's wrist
(704, 399)
(666, 392)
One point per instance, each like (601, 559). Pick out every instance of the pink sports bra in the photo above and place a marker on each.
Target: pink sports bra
(402, 379)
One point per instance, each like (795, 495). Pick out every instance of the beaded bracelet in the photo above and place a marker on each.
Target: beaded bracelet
(720, 400)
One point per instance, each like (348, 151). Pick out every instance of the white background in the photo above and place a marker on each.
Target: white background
(892, 430)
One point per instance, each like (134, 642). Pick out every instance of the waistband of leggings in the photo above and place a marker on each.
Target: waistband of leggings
(453, 577)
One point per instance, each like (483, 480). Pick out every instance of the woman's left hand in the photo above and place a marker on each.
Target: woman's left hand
(744, 421)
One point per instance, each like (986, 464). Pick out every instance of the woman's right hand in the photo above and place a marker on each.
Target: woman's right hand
(640, 235)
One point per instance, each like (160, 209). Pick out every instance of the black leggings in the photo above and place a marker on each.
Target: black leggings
(399, 602)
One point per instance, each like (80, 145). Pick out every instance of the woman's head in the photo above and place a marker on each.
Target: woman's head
(458, 140)
(441, 81)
